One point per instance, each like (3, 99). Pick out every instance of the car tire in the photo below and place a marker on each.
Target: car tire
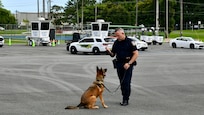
(44, 44)
(154, 42)
(73, 50)
(174, 45)
(192, 46)
(68, 47)
(96, 50)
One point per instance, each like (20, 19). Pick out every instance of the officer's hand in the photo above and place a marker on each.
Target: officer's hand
(126, 66)
(107, 49)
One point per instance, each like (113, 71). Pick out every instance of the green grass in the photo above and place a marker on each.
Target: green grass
(22, 41)
(12, 31)
(196, 34)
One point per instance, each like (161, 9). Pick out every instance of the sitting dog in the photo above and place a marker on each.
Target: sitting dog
(89, 97)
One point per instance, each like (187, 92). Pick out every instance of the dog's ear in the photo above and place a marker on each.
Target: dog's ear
(97, 69)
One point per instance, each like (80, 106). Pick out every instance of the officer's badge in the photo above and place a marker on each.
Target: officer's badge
(133, 43)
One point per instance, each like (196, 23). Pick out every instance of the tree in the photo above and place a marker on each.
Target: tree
(1, 5)
(57, 14)
(6, 17)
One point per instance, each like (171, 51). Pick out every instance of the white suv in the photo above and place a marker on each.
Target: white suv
(1, 41)
(94, 45)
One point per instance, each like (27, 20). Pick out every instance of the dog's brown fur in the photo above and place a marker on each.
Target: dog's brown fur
(88, 99)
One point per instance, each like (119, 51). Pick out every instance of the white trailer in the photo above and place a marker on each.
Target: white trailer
(147, 39)
(157, 39)
(40, 33)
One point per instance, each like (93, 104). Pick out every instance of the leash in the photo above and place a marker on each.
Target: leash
(113, 92)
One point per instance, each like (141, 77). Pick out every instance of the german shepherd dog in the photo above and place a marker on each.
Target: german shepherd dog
(89, 97)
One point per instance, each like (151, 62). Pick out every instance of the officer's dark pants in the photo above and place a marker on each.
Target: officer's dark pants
(125, 80)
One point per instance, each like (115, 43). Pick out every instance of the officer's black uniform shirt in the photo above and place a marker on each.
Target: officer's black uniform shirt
(124, 48)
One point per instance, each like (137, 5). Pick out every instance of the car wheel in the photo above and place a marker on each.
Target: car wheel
(44, 44)
(154, 42)
(160, 43)
(96, 50)
(192, 46)
(174, 45)
(68, 47)
(73, 50)
(143, 49)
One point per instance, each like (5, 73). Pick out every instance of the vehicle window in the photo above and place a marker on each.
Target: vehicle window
(95, 27)
(87, 40)
(34, 26)
(98, 40)
(45, 26)
(107, 39)
(104, 27)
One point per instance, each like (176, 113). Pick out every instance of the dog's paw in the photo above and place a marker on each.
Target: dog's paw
(96, 107)
(105, 106)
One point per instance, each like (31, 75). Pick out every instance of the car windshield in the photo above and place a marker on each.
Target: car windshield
(109, 39)
(134, 39)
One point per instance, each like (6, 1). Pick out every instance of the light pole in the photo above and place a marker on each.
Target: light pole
(38, 8)
(157, 17)
(77, 10)
(82, 15)
(167, 18)
(136, 17)
(181, 18)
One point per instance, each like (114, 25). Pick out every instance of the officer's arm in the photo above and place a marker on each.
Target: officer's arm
(109, 52)
(134, 57)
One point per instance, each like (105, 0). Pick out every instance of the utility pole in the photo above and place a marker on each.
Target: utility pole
(77, 8)
(157, 17)
(95, 12)
(181, 18)
(136, 16)
(49, 6)
(167, 18)
(82, 15)
(43, 8)
(38, 8)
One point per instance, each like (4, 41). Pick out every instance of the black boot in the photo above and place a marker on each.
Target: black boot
(124, 103)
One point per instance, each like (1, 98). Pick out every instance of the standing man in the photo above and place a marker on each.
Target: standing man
(126, 54)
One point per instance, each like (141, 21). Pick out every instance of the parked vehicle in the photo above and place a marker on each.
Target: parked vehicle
(186, 42)
(1, 28)
(141, 45)
(147, 39)
(93, 45)
(1, 41)
(41, 33)
(157, 39)
(152, 39)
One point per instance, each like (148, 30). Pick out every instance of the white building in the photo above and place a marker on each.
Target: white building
(28, 16)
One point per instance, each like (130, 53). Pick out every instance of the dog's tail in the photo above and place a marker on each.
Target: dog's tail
(74, 107)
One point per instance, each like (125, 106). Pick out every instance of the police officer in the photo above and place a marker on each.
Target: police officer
(126, 54)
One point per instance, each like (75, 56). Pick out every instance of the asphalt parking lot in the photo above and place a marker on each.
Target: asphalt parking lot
(43, 80)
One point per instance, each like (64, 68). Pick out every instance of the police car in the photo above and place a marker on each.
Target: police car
(186, 42)
(93, 45)
(1, 41)
(140, 44)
